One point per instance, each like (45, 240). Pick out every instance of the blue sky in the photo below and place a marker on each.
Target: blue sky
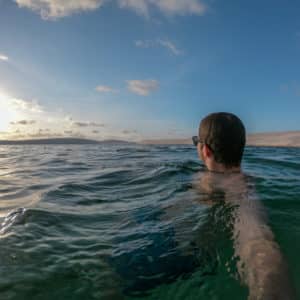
(136, 69)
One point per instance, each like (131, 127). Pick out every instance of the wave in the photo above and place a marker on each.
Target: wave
(85, 221)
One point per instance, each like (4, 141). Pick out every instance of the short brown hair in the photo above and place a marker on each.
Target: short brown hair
(224, 133)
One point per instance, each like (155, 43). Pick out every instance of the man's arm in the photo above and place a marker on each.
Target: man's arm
(261, 266)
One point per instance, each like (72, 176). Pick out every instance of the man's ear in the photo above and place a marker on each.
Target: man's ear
(206, 150)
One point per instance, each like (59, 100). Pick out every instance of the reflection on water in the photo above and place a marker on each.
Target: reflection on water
(121, 222)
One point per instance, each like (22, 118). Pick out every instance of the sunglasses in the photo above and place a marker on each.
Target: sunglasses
(196, 140)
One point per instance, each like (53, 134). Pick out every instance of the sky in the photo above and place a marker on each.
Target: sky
(146, 69)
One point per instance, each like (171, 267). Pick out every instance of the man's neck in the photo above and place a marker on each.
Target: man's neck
(220, 168)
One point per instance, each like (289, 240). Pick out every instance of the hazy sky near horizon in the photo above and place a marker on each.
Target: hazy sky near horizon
(136, 69)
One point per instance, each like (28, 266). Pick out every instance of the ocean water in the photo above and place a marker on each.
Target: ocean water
(130, 222)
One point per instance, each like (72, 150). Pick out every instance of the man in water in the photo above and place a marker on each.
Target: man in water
(220, 144)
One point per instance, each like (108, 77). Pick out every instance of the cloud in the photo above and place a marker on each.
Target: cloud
(95, 124)
(69, 132)
(168, 7)
(43, 135)
(141, 7)
(159, 42)
(88, 124)
(81, 124)
(170, 46)
(23, 122)
(68, 119)
(24, 105)
(126, 132)
(54, 9)
(4, 133)
(105, 89)
(3, 57)
(180, 7)
(73, 133)
(142, 87)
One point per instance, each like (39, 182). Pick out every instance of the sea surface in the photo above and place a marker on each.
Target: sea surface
(130, 222)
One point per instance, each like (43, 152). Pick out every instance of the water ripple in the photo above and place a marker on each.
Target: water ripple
(118, 221)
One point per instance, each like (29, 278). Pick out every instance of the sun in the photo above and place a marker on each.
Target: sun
(7, 113)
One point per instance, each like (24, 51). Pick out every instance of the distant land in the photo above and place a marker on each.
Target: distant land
(268, 139)
(60, 141)
(275, 139)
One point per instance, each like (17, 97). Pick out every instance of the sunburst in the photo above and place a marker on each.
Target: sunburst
(7, 113)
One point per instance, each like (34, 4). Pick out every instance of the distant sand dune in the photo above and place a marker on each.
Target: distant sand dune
(285, 139)
(273, 139)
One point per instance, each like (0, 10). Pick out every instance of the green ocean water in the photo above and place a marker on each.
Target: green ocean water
(127, 222)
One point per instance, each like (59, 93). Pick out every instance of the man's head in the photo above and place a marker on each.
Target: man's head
(222, 139)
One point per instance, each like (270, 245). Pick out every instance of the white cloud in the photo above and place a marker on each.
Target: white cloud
(159, 42)
(38, 134)
(141, 7)
(105, 89)
(53, 9)
(3, 57)
(142, 87)
(180, 7)
(168, 7)
(170, 46)
(95, 124)
(23, 122)
(28, 119)
(81, 124)
(24, 105)
(88, 124)
(129, 132)
(68, 132)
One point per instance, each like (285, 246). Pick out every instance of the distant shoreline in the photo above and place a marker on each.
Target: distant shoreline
(266, 139)
(271, 139)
